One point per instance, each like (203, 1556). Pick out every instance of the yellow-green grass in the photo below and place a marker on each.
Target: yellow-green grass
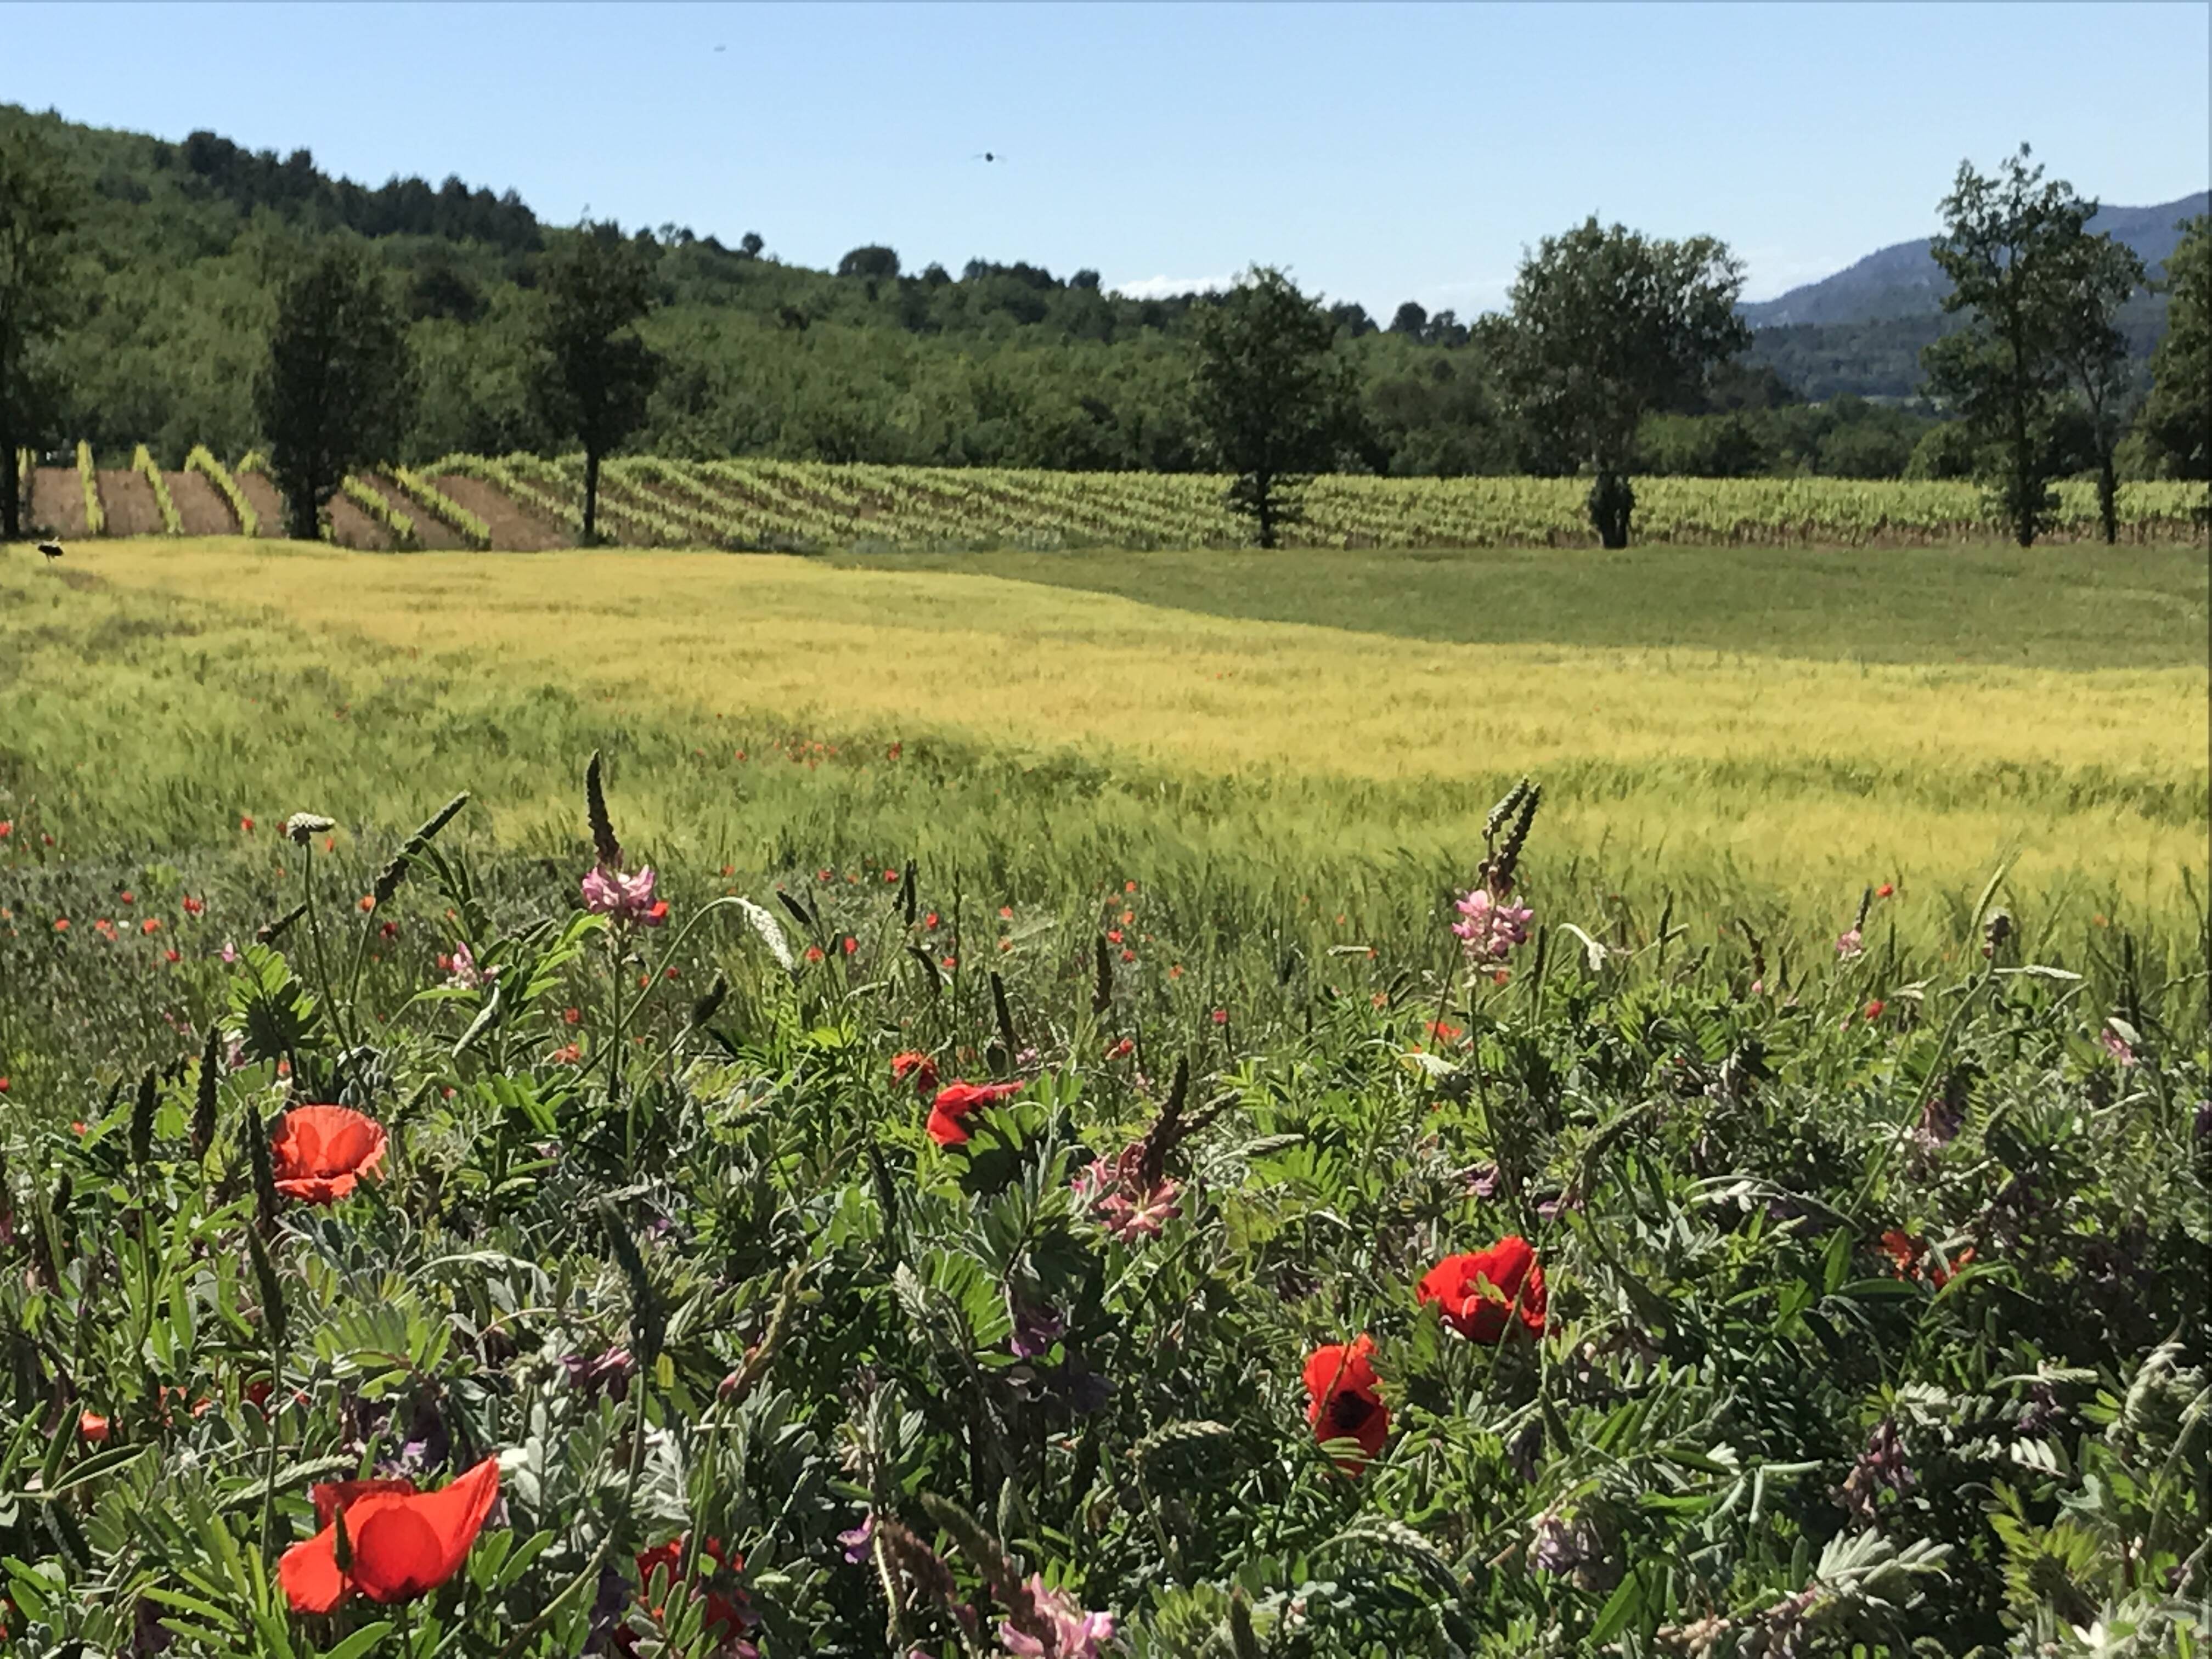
(1784, 777)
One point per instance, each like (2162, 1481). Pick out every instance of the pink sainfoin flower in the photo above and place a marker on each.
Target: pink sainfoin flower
(1059, 1629)
(1120, 1200)
(463, 974)
(1850, 946)
(625, 897)
(2116, 1046)
(1492, 925)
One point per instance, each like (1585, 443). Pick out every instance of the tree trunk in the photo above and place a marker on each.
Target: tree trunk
(304, 510)
(11, 501)
(590, 497)
(1263, 504)
(2108, 492)
(1612, 500)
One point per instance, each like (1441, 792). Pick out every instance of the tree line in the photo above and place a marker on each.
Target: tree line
(1618, 355)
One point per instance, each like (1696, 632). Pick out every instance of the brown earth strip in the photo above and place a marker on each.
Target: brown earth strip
(431, 534)
(58, 500)
(267, 504)
(351, 527)
(129, 501)
(514, 528)
(200, 504)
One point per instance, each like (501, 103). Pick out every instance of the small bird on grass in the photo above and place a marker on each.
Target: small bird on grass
(52, 549)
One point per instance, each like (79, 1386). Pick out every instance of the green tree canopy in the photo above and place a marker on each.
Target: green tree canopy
(1608, 325)
(35, 216)
(1275, 399)
(338, 386)
(2013, 247)
(596, 374)
(2178, 417)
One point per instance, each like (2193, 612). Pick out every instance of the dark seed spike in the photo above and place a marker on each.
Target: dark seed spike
(647, 1321)
(269, 933)
(1005, 1016)
(929, 968)
(798, 910)
(909, 894)
(708, 1006)
(204, 1097)
(1501, 811)
(603, 827)
(389, 878)
(1102, 993)
(141, 1120)
(1505, 864)
(264, 1173)
(272, 1292)
(886, 1188)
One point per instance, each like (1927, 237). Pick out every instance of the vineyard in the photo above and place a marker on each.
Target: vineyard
(526, 502)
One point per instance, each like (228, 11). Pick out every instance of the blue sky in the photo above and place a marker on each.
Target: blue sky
(1380, 152)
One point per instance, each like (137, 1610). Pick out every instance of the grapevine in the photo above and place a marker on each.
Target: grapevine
(87, 478)
(142, 461)
(397, 524)
(201, 460)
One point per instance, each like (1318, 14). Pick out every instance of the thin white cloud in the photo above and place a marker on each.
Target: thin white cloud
(1161, 287)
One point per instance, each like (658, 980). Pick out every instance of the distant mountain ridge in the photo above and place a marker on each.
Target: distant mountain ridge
(1903, 279)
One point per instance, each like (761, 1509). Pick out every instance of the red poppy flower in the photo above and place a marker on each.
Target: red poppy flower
(1341, 1402)
(1483, 1311)
(1873, 1009)
(193, 907)
(93, 1426)
(320, 1153)
(404, 1543)
(728, 1611)
(916, 1065)
(1884, 890)
(1905, 1253)
(814, 953)
(955, 1101)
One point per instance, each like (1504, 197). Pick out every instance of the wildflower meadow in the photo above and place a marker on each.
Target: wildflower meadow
(457, 1252)
(638, 1104)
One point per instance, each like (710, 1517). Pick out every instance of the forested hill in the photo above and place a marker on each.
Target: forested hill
(1861, 330)
(180, 245)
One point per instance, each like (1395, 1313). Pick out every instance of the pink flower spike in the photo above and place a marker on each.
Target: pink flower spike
(1850, 947)
(624, 897)
(1067, 1632)
(1492, 928)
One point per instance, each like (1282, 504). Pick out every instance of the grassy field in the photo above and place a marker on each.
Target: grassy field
(1696, 722)
(1658, 1273)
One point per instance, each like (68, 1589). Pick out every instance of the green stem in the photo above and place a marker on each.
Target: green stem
(315, 943)
(269, 1471)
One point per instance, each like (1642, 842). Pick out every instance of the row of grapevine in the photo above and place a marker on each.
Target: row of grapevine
(646, 500)
(468, 526)
(373, 502)
(141, 462)
(87, 478)
(201, 460)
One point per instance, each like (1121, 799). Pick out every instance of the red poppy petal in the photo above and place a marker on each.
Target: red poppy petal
(332, 1496)
(309, 1573)
(406, 1546)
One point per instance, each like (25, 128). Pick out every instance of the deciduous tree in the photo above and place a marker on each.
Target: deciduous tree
(2178, 417)
(34, 216)
(595, 374)
(2012, 247)
(338, 387)
(1276, 399)
(1608, 325)
(2101, 274)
